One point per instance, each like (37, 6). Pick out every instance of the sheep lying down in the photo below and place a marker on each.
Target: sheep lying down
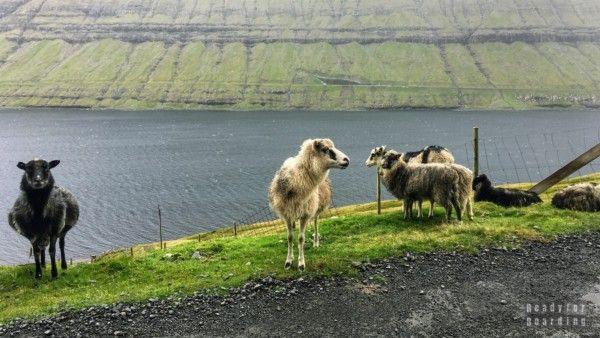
(484, 191)
(580, 197)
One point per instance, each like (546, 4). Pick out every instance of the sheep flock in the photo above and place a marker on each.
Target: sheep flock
(300, 192)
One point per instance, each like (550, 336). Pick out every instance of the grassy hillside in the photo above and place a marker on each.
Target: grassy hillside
(300, 54)
(358, 234)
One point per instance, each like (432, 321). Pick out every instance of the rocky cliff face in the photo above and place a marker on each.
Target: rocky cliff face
(298, 54)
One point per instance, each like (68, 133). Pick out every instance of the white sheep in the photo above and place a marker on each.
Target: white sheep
(301, 190)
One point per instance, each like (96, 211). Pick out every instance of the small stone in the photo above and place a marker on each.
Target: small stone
(422, 292)
(119, 333)
(503, 302)
(196, 255)
(48, 332)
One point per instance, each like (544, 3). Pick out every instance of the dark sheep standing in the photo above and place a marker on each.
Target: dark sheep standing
(43, 213)
(580, 197)
(502, 196)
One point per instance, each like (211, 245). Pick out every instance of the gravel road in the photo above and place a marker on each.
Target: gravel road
(438, 295)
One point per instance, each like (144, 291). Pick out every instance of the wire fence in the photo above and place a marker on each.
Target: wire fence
(504, 159)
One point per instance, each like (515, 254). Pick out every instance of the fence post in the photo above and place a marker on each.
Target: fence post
(235, 229)
(160, 226)
(131, 250)
(475, 151)
(378, 192)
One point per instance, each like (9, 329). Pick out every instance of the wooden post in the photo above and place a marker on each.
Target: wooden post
(235, 229)
(198, 238)
(131, 250)
(567, 170)
(378, 192)
(475, 151)
(71, 262)
(160, 226)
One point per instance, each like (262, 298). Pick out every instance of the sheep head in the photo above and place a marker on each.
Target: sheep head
(37, 172)
(325, 152)
(481, 181)
(390, 158)
(375, 156)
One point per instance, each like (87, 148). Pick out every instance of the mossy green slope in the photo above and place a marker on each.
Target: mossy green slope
(312, 55)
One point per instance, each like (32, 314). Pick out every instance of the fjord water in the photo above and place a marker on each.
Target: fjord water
(210, 169)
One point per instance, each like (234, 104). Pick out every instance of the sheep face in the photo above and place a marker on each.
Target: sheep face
(481, 181)
(37, 172)
(375, 156)
(389, 159)
(327, 153)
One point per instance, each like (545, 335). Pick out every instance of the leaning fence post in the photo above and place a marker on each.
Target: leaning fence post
(475, 151)
(160, 226)
(378, 192)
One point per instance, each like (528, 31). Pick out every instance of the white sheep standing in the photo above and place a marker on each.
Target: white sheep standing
(301, 190)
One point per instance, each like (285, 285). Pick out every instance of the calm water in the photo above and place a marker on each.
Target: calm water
(210, 169)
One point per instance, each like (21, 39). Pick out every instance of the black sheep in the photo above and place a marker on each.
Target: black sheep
(43, 213)
(502, 196)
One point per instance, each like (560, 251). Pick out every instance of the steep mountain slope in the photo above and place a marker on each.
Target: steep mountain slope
(314, 54)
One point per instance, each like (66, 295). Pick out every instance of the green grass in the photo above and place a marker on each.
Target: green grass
(112, 73)
(358, 234)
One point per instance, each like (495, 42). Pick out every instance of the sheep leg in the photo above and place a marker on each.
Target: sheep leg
(301, 264)
(52, 251)
(63, 260)
(38, 266)
(458, 210)
(407, 208)
(420, 209)
(455, 202)
(43, 258)
(448, 213)
(290, 233)
(470, 209)
(431, 209)
(316, 240)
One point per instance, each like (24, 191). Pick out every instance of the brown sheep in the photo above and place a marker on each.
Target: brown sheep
(430, 154)
(301, 189)
(437, 182)
(580, 197)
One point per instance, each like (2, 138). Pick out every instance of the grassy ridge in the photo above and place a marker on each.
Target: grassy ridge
(301, 54)
(111, 73)
(357, 235)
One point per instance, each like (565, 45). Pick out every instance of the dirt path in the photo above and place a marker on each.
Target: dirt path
(439, 295)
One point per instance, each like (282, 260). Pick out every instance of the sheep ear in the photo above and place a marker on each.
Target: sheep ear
(21, 165)
(318, 145)
(54, 163)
